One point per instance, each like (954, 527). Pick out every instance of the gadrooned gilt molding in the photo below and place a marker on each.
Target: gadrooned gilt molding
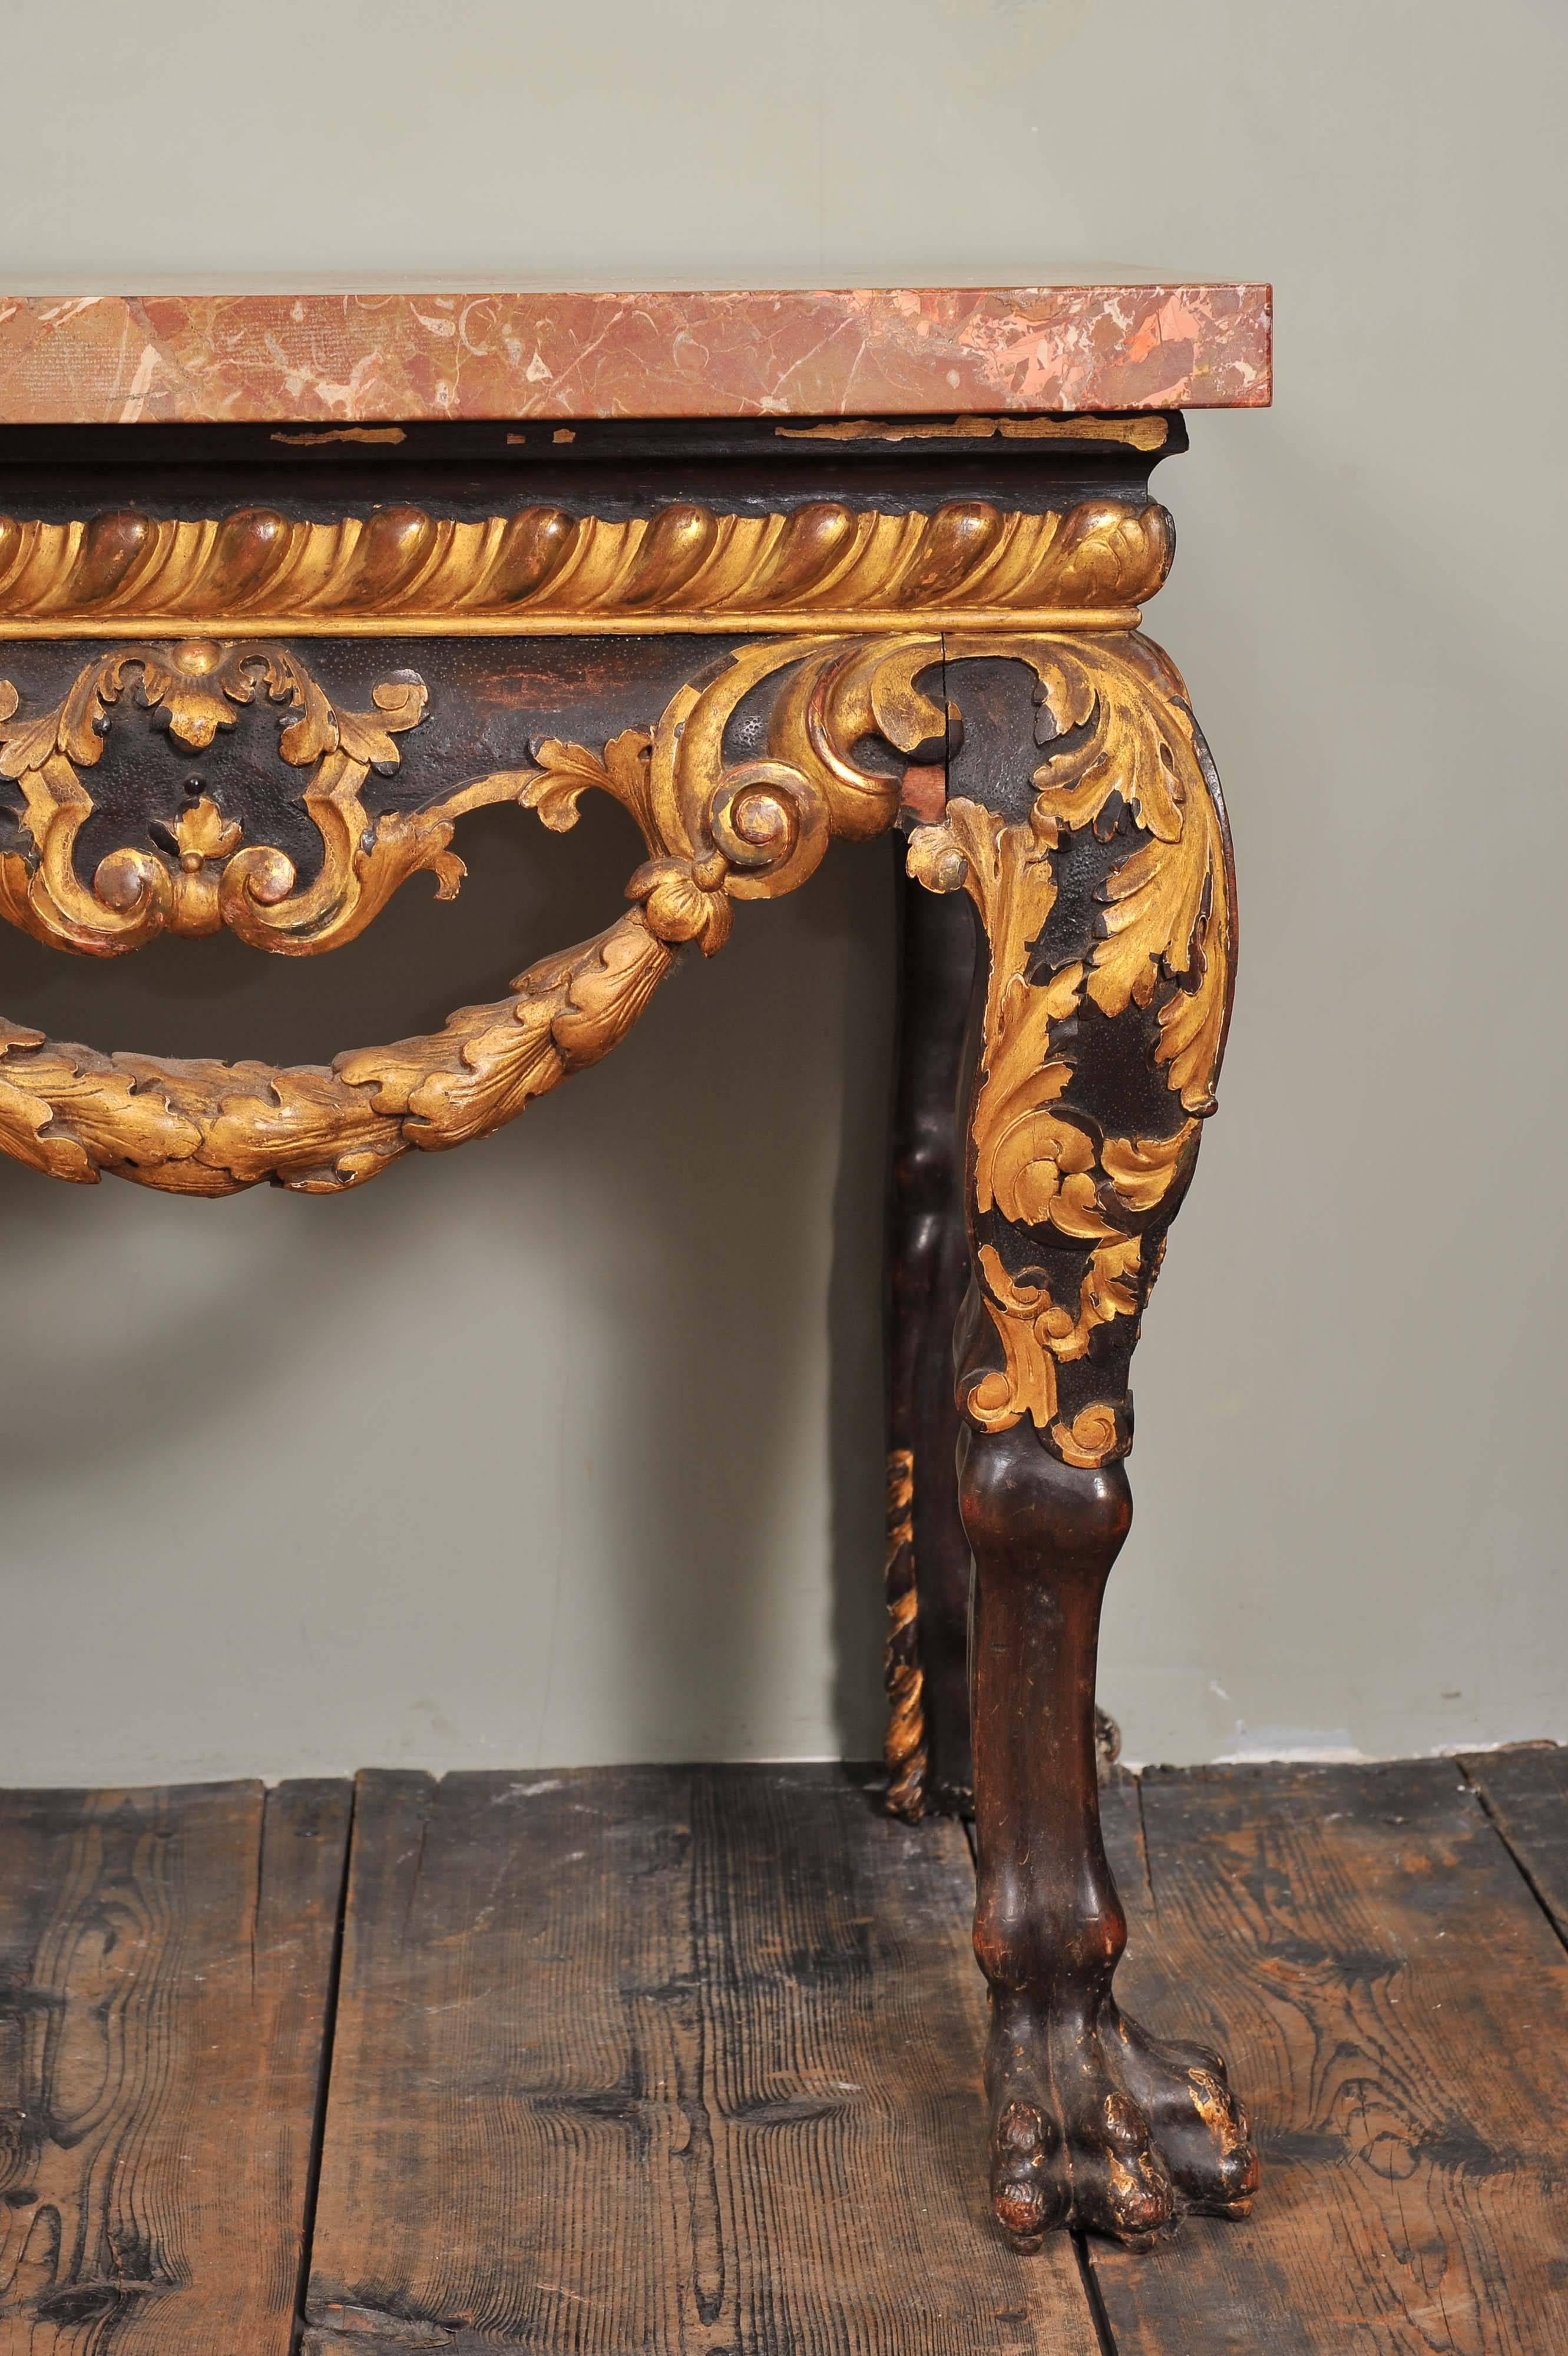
(544, 572)
(715, 831)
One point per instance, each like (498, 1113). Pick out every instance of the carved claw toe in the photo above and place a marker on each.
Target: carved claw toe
(1221, 2176)
(1195, 2119)
(1028, 2185)
(1121, 2186)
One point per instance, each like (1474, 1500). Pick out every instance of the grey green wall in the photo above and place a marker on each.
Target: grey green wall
(567, 1448)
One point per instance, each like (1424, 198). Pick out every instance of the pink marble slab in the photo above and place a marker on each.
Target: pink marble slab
(369, 359)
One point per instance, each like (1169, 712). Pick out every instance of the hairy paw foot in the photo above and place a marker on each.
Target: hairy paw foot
(1098, 2126)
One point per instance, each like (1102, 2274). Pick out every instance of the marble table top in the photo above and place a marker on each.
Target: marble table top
(380, 359)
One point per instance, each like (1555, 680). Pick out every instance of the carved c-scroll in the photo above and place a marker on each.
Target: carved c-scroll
(715, 831)
(199, 877)
(1122, 730)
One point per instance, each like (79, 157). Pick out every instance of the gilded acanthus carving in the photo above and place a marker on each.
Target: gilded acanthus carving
(1122, 750)
(200, 874)
(715, 831)
(825, 566)
(1120, 754)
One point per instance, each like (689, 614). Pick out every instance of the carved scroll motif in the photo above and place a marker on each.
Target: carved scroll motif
(200, 876)
(822, 566)
(715, 831)
(1123, 750)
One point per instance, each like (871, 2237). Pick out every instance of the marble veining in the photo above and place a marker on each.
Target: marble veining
(390, 358)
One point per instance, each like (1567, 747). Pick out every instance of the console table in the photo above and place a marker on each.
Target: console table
(290, 584)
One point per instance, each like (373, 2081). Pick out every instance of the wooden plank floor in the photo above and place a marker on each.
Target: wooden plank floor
(643, 2060)
(1394, 2003)
(685, 2063)
(166, 1966)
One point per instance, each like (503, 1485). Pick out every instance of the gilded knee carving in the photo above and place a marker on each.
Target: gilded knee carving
(1107, 906)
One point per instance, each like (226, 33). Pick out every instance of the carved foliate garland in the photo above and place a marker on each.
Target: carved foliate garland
(716, 831)
(1125, 748)
(824, 566)
(1121, 754)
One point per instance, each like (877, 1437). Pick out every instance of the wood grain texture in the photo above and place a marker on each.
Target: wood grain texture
(1395, 2007)
(1525, 1792)
(666, 2061)
(166, 1957)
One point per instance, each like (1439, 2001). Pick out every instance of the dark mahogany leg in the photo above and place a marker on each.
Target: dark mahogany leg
(1104, 883)
(928, 1269)
(1094, 2124)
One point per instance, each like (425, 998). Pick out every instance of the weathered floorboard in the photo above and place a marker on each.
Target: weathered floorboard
(166, 1958)
(1526, 1795)
(1395, 2008)
(642, 2061)
(651, 2061)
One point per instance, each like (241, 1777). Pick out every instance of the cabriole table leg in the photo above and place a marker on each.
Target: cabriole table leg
(1099, 860)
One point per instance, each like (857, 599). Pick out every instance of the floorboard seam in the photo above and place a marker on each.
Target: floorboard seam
(1099, 2313)
(1525, 1874)
(1105, 2338)
(258, 1892)
(1144, 1857)
(324, 2082)
(1091, 2291)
